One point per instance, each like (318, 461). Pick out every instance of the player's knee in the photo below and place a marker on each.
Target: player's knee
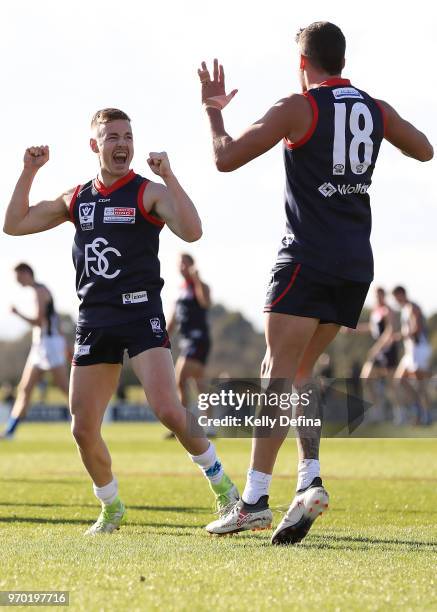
(84, 435)
(172, 416)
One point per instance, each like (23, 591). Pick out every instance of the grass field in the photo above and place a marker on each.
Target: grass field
(375, 549)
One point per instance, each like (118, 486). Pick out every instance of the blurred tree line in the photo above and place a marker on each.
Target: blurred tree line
(237, 351)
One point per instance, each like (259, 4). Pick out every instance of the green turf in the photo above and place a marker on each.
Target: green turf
(375, 549)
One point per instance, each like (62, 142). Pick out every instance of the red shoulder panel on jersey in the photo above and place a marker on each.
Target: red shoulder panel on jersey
(310, 132)
(143, 211)
(105, 191)
(73, 202)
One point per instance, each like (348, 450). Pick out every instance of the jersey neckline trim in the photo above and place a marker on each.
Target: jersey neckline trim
(334, 82)
(105, 191)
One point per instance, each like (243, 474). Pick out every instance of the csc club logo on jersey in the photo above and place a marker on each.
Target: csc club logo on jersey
(99, 252)
(119, 214)
(86, 215)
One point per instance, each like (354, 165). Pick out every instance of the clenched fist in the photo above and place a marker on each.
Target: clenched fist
(36, 157)
(160, 164)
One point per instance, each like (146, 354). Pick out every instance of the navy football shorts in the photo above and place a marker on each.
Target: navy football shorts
(196, 348)
(387, 358)
(297, 289)
(107, 344)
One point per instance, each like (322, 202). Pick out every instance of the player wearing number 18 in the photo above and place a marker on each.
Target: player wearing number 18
(332, 133)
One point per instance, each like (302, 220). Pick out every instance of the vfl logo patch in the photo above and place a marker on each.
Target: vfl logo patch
(119, 215)
(86, 215)
(156, 325)
(346, 92)
(82, 349)
(135, 298)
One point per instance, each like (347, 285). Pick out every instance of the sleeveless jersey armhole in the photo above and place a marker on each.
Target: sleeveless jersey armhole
(150, 218)
(73, 202)
(310, 132)
(383, 114)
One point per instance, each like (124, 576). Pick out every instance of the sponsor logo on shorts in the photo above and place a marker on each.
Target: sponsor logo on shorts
(119, 214)
(86, 215)
(346, 92)
(156, 325)
(328, 189)
(82, 349)
(135, 298)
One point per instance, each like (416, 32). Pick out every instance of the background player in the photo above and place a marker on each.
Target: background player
(190, 319)
(382, 358)
(48, 352)
(332, 132)
(414, 365)
(118, 217)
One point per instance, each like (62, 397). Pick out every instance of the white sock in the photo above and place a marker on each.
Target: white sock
(209, 464)
(257, 484)
(307, 470)
(108, 493)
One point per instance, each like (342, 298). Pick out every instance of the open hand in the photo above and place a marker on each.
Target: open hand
(36, 157)
(160, 164)
(213, 92)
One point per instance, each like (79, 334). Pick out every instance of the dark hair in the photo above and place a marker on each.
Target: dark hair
(400, 289)
(324, 44)
(105, 115)
(189, 257)
(23, 267)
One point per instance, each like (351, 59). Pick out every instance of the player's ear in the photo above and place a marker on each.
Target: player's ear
(302, 62)
(343, 63)
(93, 145)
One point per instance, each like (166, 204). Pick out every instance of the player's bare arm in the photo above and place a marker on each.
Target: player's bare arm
(290, 118)
(20, 218)
(41, 299)
(170, 202)
(403, 135)
(201, 289)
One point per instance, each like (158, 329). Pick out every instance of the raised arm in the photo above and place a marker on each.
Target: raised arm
(20, 218)
(170, 202)
(403, 135)
(290, 117)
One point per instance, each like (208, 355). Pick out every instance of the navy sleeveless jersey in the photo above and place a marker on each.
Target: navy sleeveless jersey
(115, 253)
(190, 315)
(328, 174)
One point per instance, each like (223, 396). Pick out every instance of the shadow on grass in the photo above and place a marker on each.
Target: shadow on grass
(364, 542)
(187, 510)
(63, 481)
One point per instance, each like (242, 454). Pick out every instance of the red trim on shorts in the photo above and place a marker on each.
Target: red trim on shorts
(166, 342)
(383, 113)
(310, 132)
(124, 180)
(143, 211)
(287, 288)
(73, 202)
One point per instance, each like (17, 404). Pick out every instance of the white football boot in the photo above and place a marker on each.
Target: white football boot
(240, 516)
(303, 511)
